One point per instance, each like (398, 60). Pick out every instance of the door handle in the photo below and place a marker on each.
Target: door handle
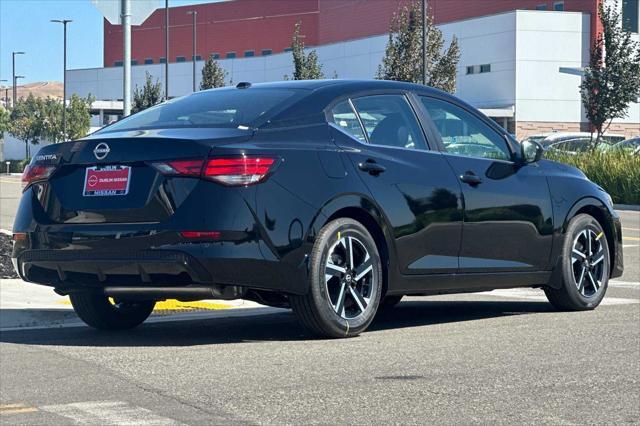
(370, 166)
(470, 178)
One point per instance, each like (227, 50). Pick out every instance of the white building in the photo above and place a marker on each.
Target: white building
(522, 68)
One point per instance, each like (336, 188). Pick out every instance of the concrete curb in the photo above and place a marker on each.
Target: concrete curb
(630, 207)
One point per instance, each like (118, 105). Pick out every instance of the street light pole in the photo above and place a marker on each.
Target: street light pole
(424, 42)
(166, 49)
(126, 81)
(15, 91)
(194, 13)
(64, 23)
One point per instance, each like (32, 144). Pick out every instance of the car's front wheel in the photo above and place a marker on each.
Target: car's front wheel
(101, 312)
(345, 281)
(585, 266)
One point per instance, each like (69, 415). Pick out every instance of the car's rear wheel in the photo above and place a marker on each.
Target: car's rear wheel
(345, 281)
(585, 266)
(104, 313)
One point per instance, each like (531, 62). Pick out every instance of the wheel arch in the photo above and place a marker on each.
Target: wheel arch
(365, 211)
(600, 212)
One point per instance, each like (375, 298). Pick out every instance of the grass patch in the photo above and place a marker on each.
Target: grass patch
(617, 173)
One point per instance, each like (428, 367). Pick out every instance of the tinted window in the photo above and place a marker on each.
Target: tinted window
(630, 12)
(465, 134)
(389, 120)
(218, 108)
(344, 116)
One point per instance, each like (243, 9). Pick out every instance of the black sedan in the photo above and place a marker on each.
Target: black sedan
(334, 198)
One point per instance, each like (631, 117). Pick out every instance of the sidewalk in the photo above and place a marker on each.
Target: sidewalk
(30, 305)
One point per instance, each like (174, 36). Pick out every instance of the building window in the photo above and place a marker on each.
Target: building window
(180, 59)
(471, 69)
(215, 56)
(266, 52)
(117, 63)
(231, 55)
(485, 68)
(541, 7)
(558, 6)
(134, 62)
(288, 49)
(163, 60)
(198, 58)
(148, 61)
(630, 11)
(249, 53)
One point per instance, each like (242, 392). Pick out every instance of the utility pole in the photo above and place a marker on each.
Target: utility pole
(194, 14)
(126, 33)
(64, 23)
(14, 79)
(166, 49)
(424, 42)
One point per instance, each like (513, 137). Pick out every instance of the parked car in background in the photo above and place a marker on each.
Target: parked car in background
(334, 198)
(572, 146)
(548, 139)
(629, 146)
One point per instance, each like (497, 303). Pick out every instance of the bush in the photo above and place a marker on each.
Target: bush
(618, 173)
(15, 166)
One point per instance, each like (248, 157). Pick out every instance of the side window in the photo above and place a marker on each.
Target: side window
(343, 115)
(463, 133)
(389, 121)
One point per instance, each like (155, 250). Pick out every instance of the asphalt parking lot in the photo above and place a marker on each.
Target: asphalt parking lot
(502, 357)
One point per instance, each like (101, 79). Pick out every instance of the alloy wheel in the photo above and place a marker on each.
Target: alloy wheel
(587, 261)
(349, 278)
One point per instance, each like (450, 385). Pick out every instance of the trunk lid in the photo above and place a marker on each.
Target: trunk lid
(131, 190)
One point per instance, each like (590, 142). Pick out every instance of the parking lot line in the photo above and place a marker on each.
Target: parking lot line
(108, 413)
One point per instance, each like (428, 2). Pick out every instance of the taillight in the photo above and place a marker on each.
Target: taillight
(36, 172)
(231, 171)
(180, 167)
(241, 170)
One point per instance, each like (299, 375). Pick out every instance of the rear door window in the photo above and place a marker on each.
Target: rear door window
(346, 119)
(389, 120)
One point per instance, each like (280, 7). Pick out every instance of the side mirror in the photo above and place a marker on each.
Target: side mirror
(531, 151)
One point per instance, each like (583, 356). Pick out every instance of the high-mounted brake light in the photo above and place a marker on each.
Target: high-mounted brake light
(36, 172)
(201, 234)
(241, 170)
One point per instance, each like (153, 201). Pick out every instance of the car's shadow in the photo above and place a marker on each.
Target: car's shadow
(275, 326)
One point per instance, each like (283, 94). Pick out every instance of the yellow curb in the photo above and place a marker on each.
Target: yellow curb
(176, 305)
(631, 238)
(16, 409)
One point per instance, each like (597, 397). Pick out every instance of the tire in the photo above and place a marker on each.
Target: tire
(390, 302)
(331, 307)
(578, 291)
(99, 312)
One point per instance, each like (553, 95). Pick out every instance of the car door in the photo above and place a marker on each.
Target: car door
(414, 186)
(507, 205)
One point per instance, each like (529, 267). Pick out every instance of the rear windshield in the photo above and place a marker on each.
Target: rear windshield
(228, 108)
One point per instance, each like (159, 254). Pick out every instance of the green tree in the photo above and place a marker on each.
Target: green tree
(403, 55)
(4, 120)
(306, 66)
(612, 79)
(78, 117)
(148, 96)
(52, 119)
(213, 75)
(27, 121)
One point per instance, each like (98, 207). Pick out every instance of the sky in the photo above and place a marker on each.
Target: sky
(25, 26)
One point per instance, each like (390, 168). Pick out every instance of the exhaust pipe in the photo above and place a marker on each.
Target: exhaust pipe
(184, 294)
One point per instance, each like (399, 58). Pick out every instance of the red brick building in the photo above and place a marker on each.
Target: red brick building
(240, 28)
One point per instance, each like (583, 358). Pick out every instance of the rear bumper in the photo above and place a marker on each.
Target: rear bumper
(104, 262)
